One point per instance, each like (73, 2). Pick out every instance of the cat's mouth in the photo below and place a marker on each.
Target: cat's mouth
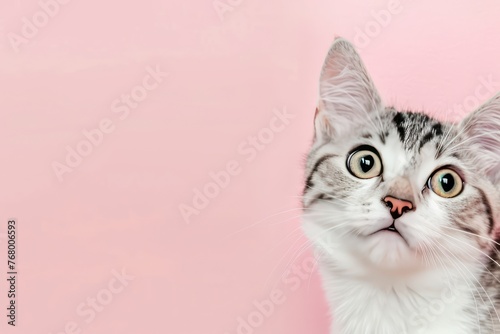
(392, 229)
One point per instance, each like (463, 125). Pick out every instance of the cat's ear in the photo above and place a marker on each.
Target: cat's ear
(347, 93)
(482, 136)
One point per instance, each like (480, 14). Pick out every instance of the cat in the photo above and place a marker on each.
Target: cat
(403, 210)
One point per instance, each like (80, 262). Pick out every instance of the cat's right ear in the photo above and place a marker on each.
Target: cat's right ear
(482, 130)
(347, 93)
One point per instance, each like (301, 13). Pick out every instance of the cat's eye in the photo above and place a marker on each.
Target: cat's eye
(446, 183)
(364, 162)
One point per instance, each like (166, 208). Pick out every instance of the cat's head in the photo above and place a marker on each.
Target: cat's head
(395, 188)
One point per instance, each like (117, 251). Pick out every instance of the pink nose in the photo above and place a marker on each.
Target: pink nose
(398, 206)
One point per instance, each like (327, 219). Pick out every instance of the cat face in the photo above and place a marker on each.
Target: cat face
(398, 189)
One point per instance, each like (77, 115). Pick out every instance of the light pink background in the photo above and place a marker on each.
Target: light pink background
(119, 208)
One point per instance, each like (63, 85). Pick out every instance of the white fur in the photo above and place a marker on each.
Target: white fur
(367, 299)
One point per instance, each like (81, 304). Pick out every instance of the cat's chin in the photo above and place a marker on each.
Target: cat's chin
(387, 249)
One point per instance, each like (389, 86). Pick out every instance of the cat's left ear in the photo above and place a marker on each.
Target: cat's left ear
(482, 131)
(347, 93)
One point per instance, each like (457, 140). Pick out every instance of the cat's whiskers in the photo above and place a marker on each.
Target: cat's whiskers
(328, 192)
(474, 234)
(433, 247)
(330, 200)
(424, 250)
(432, 254)
(482, 287)
(482, 264)
(471, 246)
(262, 220)
(467, 281)
(277, 214)
(317, 258)
(295, 230)
(301, 249)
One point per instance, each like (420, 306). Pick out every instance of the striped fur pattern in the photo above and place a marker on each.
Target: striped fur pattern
(440, 272)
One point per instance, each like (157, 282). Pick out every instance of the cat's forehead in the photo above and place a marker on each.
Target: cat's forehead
(414, 130)
(409, 140)
(408, 131)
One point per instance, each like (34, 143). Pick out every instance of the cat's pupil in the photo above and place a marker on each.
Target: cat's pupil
(447, 182)
(366, 163)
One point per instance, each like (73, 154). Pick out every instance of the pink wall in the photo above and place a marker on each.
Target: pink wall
(234, 73)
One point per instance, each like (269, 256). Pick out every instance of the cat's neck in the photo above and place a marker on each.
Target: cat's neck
(428, 303)
(411, 301)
